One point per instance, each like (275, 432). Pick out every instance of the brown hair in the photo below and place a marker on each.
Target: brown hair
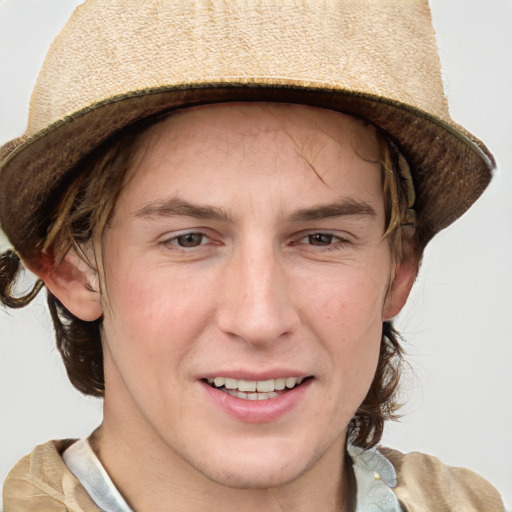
(82, 215)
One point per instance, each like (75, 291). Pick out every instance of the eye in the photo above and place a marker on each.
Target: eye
(322, 239)
(320, 242)
(188, 240)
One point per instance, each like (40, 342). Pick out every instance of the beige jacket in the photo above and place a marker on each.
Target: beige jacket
(41, 482)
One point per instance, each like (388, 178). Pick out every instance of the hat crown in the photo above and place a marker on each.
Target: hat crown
(111, 48)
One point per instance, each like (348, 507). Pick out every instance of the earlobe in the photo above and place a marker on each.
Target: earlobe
(406, 271)
(75, 284)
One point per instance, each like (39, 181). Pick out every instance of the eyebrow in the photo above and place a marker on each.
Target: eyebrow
(347, 207)
(172, 207)
(178, 207)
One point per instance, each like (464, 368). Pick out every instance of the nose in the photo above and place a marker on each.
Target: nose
(255, 302)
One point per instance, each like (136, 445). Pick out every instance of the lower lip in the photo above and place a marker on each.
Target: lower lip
(257, 411)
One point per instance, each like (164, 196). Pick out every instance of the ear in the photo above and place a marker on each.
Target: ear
(406, 270)
(75, 284)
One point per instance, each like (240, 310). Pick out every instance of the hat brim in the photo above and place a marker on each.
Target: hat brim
(450, 168)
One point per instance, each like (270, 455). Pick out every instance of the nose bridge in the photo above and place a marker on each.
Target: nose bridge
(255, 305)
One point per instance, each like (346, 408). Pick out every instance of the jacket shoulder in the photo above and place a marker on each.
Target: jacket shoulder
(426, 484)
(41, 482)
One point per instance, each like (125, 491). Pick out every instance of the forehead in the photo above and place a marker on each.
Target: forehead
(213, 151)
(231, 124)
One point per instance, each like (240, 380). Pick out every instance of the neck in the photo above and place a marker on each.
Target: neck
(158, 479)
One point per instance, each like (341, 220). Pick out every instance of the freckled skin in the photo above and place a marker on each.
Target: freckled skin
(257, 294)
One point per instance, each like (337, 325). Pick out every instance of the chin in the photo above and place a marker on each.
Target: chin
(250, 477)
(258, 469)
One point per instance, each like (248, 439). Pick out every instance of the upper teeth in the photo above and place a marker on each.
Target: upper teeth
(262, 386)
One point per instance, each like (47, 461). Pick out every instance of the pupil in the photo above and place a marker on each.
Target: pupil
(190, 240)
(320, 239)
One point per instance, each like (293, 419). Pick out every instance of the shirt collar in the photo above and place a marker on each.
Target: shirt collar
(375, 477)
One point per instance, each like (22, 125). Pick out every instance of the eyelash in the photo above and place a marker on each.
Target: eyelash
(175, 240)
(330, 237)
(333, 243)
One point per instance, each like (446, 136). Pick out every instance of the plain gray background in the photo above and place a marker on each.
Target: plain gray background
(456, 323)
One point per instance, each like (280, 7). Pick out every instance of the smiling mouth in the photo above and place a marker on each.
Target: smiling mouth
(255, 389)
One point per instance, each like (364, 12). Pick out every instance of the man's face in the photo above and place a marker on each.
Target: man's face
(247, 279)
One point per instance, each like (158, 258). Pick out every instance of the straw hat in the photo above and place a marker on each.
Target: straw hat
(117, 61)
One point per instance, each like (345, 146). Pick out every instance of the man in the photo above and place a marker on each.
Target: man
(237, 247)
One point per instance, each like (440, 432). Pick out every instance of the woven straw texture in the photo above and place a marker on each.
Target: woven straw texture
(117, 61)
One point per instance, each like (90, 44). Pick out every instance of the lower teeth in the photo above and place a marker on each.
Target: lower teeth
(250, 396)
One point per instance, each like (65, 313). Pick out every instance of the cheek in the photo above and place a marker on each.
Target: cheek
(151, 330)
(345, 312)
(158, 314)
(350, 300)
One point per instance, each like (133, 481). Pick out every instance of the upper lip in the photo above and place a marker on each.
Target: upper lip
(255, 376)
